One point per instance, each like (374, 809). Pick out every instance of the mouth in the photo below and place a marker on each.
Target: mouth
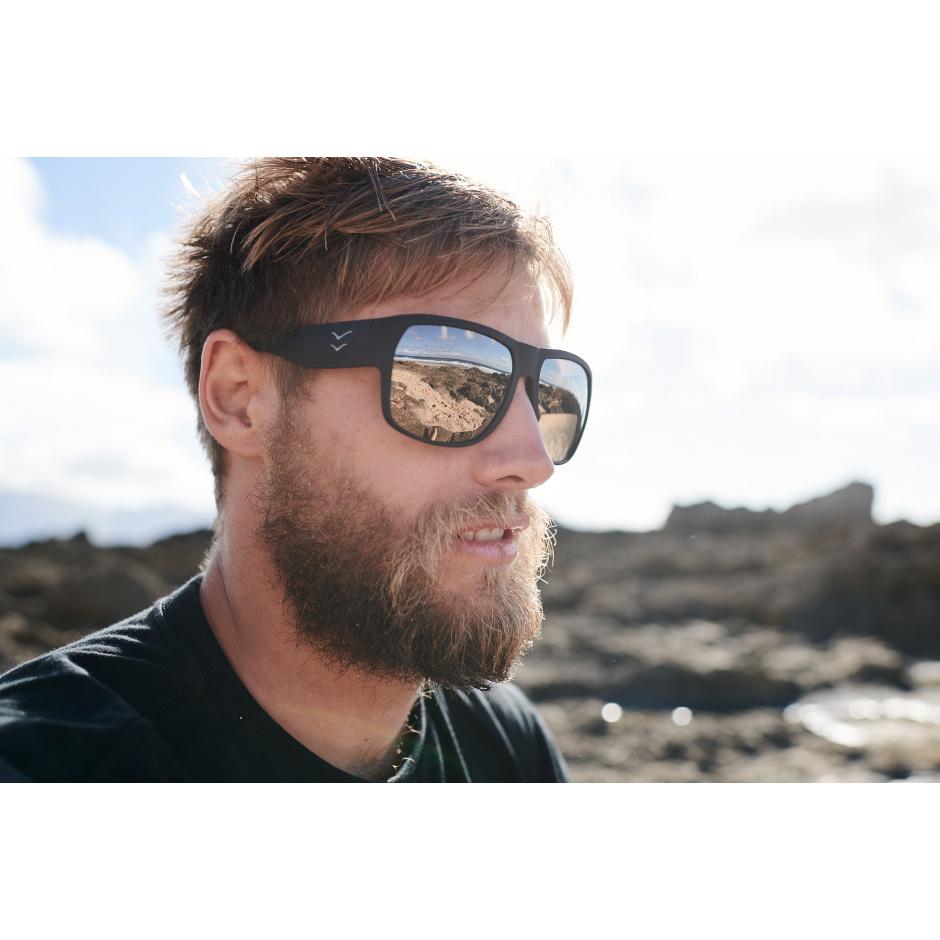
(488, 531)
(490, 543)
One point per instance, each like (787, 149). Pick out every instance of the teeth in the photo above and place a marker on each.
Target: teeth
(483, 535)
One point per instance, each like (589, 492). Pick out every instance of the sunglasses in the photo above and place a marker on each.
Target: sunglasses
(449, 382)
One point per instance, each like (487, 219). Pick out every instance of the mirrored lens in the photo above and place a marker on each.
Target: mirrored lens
(447, 383)
(563, 401)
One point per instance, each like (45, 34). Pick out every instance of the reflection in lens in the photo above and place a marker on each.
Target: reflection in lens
(563, 399)
(447, 384)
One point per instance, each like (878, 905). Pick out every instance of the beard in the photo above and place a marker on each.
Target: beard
(364, 591)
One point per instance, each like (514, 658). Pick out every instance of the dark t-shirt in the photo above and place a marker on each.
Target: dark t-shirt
(155, 698)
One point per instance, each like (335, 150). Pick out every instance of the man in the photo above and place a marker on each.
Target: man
(366, 341)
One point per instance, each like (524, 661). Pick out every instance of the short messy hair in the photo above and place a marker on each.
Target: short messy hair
(305, 240)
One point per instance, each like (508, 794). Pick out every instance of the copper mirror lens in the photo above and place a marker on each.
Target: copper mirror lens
(563, 399)
(447, 383)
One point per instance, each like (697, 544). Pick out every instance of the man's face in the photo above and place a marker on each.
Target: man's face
(362, 524)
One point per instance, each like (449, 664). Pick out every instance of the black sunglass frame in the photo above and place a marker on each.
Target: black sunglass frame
(372, 342)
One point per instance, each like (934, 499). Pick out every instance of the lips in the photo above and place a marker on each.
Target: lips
(495, 552)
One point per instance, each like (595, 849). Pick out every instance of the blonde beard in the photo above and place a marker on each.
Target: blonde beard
(379, 605)
(504, 612)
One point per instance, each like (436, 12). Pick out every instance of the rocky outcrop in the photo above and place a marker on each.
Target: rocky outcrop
(881, 581)
(56, 590)
(850, 505)
(847, 506)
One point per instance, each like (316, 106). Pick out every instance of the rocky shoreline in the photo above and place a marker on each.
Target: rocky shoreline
(729, 646)
(800, 646)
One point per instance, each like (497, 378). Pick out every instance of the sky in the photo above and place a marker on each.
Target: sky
(760, 331)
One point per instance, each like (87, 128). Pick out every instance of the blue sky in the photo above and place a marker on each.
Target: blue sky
(127, 204)
(429, 341)
(760, 332)
(121, 201)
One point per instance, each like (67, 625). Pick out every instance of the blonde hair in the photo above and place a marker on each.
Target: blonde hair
(304, 240)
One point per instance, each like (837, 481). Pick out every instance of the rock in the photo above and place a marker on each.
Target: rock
(177, 558)
(31, 578)
(710, 517)
(22, 639)
(668, 685)
(844, 660)
(14, 640)
(699, 663)
(861, 579)
(846, 506)
(886, 582)
(104, 596)
(851, 504)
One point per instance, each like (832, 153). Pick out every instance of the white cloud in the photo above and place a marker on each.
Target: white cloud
(56, 292)
(111, 438)
(95, 409)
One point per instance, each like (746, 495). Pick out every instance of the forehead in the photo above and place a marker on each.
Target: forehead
(512, 305)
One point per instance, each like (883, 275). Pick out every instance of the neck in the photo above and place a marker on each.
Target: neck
(347, 717)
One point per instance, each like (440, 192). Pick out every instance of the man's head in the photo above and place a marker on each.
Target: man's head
(360, 523)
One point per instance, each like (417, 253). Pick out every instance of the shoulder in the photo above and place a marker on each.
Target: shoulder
(66, 714)
(502, 720)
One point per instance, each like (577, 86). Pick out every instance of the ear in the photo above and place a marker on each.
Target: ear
(236, 395)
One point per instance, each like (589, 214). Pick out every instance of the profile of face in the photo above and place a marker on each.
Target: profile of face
(362, 524)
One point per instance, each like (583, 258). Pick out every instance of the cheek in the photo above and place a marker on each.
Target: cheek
(346, 412)
(405, 475)
(409, 477)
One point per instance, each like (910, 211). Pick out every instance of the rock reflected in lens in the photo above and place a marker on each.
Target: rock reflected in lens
(560, 411)
(445, 403)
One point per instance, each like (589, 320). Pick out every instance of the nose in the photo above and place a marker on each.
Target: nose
(513, 457)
